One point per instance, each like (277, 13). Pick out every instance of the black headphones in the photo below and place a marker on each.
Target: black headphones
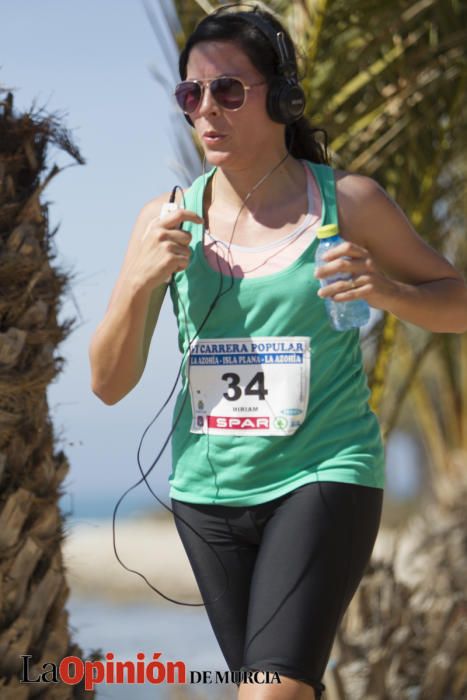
(285, 100)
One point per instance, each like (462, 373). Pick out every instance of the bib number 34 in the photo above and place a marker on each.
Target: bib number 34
(234, 386)
(249, 386)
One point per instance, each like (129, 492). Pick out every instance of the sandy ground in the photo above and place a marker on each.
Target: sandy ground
(148, 545)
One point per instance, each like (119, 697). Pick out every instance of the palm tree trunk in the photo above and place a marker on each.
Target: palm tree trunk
(34, 591)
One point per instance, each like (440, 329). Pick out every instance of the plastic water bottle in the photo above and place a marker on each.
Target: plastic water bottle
(343, 315)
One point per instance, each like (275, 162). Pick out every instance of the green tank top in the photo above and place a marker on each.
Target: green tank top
(275, 397)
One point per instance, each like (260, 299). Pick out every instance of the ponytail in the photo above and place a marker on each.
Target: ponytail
(301, 142)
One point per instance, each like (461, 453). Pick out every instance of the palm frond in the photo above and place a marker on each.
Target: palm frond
(166, 28)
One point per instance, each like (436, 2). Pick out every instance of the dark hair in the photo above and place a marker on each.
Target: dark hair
(228, 26)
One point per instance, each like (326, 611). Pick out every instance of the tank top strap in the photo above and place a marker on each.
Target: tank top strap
(327, 185)
(193, 201)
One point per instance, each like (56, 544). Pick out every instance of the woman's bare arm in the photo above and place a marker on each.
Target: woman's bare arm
(119, 347)
(393, 267)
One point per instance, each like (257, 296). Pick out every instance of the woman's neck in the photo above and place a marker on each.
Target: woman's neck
(270, 182)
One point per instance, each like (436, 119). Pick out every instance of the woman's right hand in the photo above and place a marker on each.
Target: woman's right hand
(120, 345)
(162, 248)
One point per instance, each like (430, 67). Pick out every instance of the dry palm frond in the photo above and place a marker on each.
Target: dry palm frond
(404, 634)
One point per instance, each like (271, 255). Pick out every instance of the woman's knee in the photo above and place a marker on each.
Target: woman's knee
(286, 688)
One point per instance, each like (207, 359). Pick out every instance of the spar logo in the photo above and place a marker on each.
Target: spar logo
(239, 423)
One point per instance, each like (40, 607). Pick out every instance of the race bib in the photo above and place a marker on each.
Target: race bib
(249, 386)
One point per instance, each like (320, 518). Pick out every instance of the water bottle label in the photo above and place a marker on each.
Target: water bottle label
(249, 386)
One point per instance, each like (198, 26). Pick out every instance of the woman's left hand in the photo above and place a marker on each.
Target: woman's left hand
(367, 281)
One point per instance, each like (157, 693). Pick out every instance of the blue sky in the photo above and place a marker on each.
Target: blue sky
(90, 61)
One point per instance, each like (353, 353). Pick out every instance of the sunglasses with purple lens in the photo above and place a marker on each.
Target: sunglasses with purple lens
(229, 93)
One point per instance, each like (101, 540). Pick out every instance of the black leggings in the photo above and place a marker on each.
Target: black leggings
(293, 565)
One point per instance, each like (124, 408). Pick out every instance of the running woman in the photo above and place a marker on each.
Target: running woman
(278, 463)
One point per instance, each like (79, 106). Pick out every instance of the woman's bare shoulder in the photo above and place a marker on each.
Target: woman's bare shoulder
(353, 191)
(354, 185)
